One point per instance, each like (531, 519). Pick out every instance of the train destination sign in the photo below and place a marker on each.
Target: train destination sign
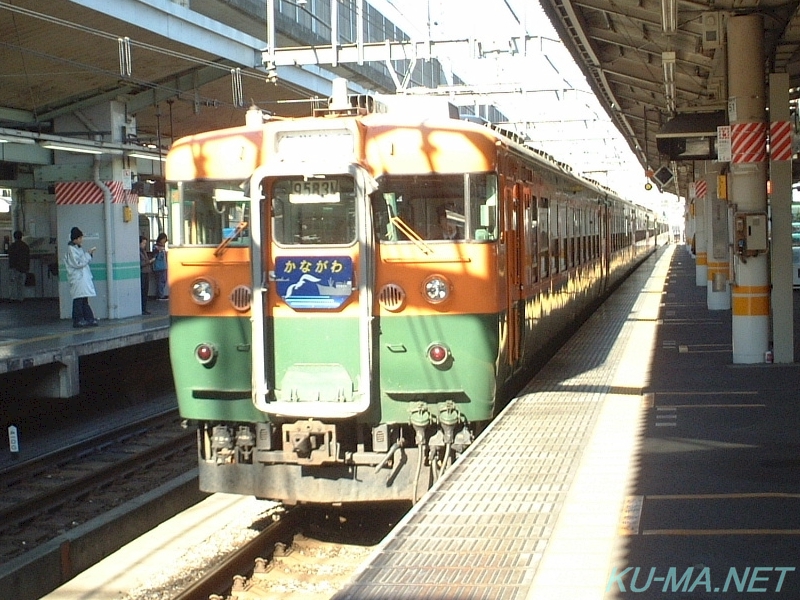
(314, 282)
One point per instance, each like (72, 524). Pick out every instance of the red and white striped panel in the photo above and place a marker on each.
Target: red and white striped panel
(700, 188)
(87, 192)
(748, 142)
(118, 194)
(780, 140)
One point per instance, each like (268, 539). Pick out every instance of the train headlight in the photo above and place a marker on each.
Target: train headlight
(436, 288)
(203, 291)
(438, 354)
(206, 354)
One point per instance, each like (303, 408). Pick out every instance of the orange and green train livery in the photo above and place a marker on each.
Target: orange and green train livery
(355, 294)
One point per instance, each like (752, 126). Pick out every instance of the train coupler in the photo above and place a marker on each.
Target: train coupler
(311, 441)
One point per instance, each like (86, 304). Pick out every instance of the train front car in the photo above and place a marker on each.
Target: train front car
(355, 293)
(364, 331)
(370, 361)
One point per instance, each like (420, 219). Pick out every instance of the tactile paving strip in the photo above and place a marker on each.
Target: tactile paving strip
(482, 530)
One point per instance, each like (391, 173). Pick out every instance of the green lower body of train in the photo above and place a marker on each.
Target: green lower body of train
(422, 413)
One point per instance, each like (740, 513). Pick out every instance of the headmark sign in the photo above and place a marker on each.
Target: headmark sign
(314, 282)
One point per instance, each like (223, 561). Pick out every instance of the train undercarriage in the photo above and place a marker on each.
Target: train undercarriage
(311, 461)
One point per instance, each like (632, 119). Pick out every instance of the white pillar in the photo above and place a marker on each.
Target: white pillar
(748, 176)
(780, 175)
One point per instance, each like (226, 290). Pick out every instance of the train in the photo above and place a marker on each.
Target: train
(356, 293)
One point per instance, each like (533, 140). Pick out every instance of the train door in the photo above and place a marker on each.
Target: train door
(514, 247)
(312, 335)
(606, 226)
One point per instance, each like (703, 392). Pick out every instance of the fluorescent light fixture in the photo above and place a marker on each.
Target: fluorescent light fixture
(67, 146)
(71, 148)
(668, 62)
(669, 16)
(146, 156)
(10, 139)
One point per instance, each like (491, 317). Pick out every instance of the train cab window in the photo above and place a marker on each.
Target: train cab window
(436, 208)
(319, 210)
(212, 212)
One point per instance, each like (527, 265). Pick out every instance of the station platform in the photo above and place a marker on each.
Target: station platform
(640, 462)
(32, 335)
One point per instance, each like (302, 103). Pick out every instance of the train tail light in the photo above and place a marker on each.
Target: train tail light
(438, 354)
(206, 354)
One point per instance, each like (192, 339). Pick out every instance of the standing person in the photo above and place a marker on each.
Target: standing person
(79, 275)
(19, 263)
(160, 266)
(146, 263)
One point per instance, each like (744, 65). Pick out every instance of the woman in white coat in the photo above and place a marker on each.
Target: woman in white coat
(79, 275)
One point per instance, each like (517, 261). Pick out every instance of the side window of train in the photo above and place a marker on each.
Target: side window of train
(544, 237)
(555, 251)
(482, 194)
(562, 237)
(532, 236)
(569, 237)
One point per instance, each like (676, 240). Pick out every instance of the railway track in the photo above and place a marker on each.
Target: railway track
(42, 498)
(309, 553)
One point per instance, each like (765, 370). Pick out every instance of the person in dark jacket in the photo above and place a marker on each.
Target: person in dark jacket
(146, 263)
(19, 263)
(160, 266)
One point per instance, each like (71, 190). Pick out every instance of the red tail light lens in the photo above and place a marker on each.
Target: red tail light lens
(205, 353)
(438, 353)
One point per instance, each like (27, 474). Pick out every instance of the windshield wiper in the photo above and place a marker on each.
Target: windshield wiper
(411, 234)
(232, 236)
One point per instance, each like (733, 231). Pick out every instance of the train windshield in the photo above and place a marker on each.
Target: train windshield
(314, 210)
(213, 213)
(436, 207)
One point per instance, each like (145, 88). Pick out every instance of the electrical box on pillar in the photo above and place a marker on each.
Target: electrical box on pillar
(722, 187)
(751, 233)
(127, 214)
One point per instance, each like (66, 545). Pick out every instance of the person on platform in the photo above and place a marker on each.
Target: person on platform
(160, 266)
(79, 276)
(146, 263)
(19, 263)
